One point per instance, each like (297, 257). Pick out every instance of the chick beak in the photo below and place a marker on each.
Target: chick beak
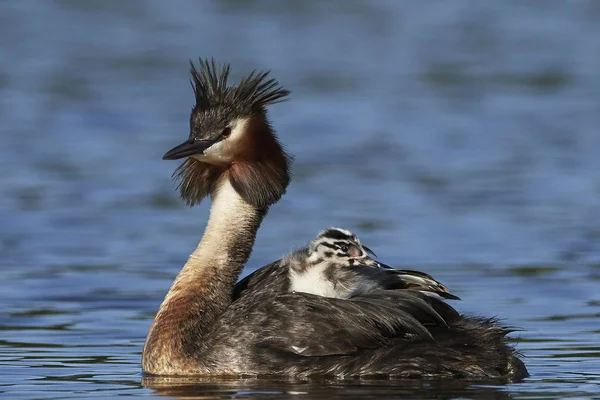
(369, 251)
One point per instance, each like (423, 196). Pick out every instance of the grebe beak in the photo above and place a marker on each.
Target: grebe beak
(188, 148)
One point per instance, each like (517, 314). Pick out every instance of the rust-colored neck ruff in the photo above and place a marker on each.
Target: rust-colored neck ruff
(202, 290)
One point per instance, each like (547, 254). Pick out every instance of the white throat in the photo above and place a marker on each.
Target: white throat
(228, 212)
(312, 280)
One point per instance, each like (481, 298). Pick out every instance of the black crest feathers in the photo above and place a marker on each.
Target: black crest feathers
(253, 93)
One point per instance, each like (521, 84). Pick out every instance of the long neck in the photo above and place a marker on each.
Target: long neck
(202, 290)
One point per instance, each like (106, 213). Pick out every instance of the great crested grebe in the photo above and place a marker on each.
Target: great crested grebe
(208, 325)
(336, 264)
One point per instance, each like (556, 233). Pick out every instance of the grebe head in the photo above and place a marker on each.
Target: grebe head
(342, 247)
(230, 136)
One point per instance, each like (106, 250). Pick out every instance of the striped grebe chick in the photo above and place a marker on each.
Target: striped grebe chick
(209, 325)
(337, 264)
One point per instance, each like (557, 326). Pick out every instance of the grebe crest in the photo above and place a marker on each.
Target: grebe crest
(231, 137)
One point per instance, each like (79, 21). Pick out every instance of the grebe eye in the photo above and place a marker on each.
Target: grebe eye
(226, 132)
(344, 248)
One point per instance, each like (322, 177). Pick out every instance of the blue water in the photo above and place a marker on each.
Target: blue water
(457, 137)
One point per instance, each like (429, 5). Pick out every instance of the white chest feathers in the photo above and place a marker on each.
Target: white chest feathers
(313, 280)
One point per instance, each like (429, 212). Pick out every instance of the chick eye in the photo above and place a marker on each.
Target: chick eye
(344, 248)
(226, 132)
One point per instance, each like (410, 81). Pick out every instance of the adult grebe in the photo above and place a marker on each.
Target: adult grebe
(336, 264)
(205, 326)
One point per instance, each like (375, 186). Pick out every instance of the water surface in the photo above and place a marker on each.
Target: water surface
(458, 137)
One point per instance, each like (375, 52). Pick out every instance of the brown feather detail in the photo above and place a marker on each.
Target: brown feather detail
(259, 183)
(179, 331)
(196, 180)
(261, 172)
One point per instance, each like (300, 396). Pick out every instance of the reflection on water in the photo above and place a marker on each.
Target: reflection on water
(322, 389)
(459, 138)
